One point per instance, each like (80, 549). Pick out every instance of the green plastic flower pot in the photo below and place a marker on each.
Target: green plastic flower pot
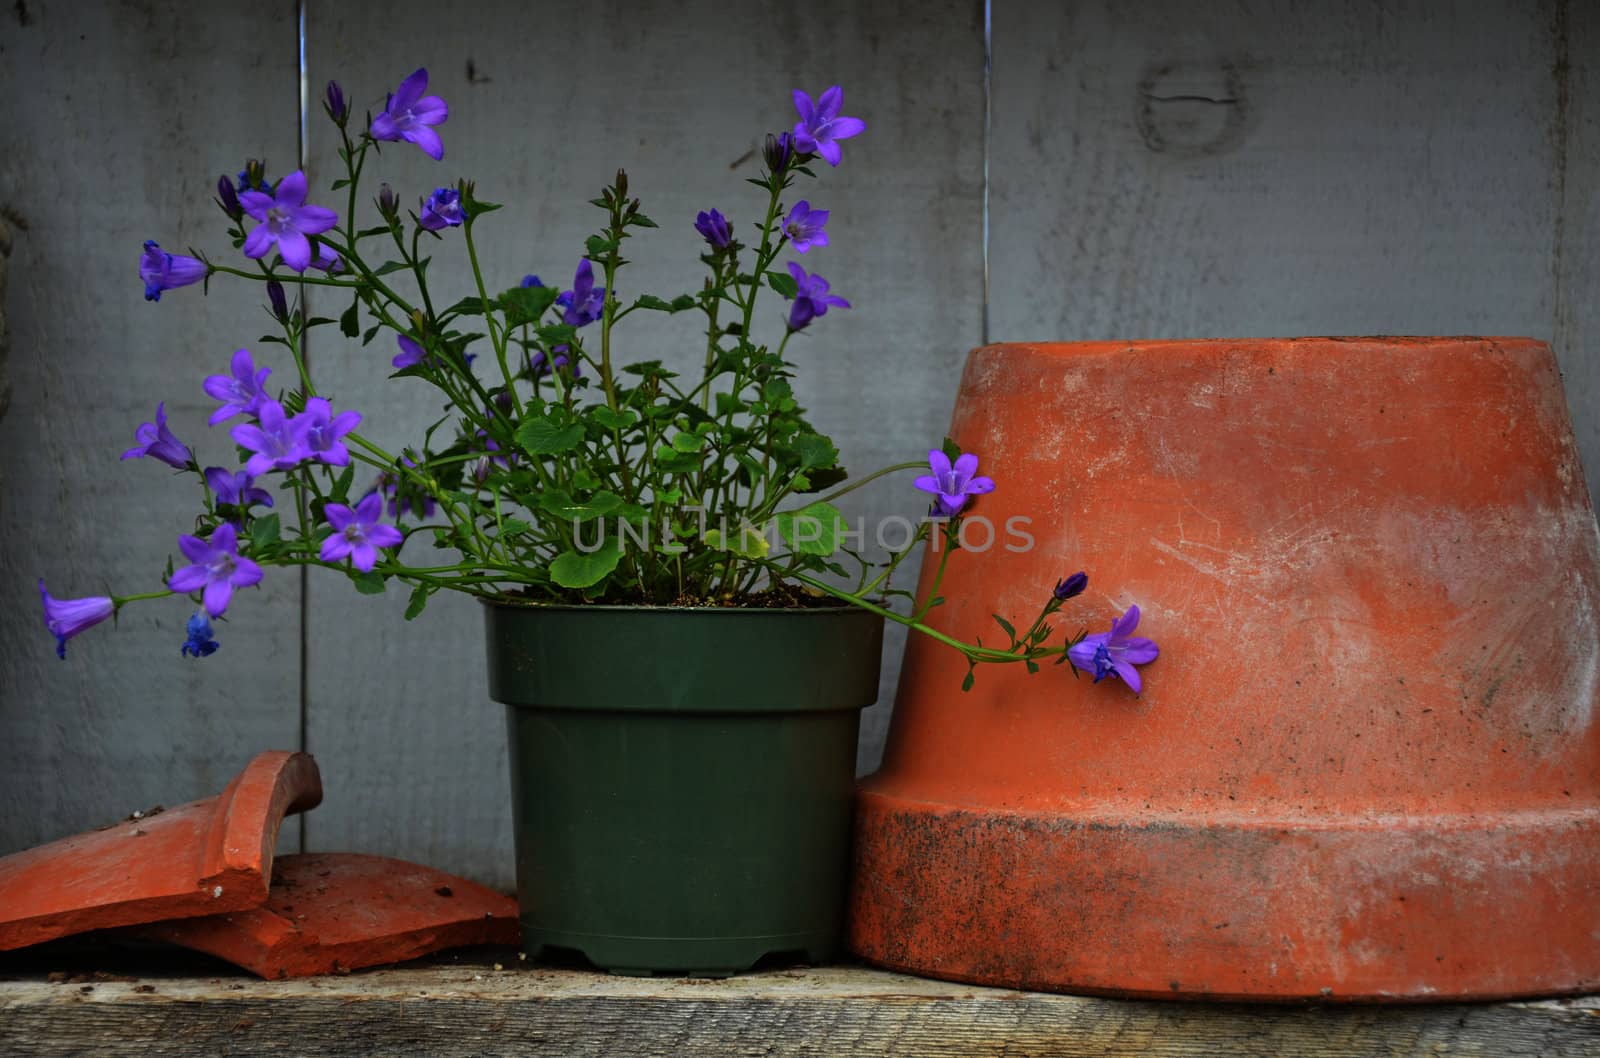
(683, 779)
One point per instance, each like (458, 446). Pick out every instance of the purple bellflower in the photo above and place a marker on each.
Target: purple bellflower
(442, 209)
(215, 569)
(410, 353)
(714, 228)
(338, 106)
(561, 359)
(358, 534)
(199, 643)
(327, 260)
(159, 442)
(318, 431)
(242, 391)
(410, 116)
(585, 302)
(1115, 653)
(803, 226)
(778, 151)
(285, 221)
(811, 299)
(65, 618)
(1072, 586)
(278, 300)
(820, 127)
(167, 271)
(952, 486)
(273, 437)
(228, 198)
(236, 488)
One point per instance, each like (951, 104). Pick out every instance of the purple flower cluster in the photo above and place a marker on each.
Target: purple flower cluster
(585, 302)
(279, 442)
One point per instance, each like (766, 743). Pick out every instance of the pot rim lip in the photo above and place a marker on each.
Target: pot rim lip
(614, 608)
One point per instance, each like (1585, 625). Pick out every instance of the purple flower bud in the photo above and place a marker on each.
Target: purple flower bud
(228, 199)
(338, 108)
(388, 202)
(280, 303)
(442, 209)
(1073, 585)
(158, 441)
(778, 152)
(532, 281)
(65, 618)
(168, 271)
(714, 228)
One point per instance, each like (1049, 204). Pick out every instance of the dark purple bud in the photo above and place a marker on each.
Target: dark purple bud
(1073, 585)
(388, 202)
(778, 152)
(338, 108)
(714, 228)
(228, 199)
(280, 304)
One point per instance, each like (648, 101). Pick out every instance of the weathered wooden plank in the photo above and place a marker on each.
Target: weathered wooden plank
(413, 751)
(120, 117)
(475, 1010)
(1278, 169)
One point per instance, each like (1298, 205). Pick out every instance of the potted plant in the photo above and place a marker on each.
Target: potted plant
(688, 808)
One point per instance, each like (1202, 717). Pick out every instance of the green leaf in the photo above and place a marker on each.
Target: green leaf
(750, 543)
(814, 450)
(683, 301)
(642, 221)
(812, 530)
(469, 306)
(557, 502)
(650, 301)
(820, 478)
(598, 247)
(1010, 631)
(1033, 667)
(513, 527)
(751, 467)
(541, 437)
(419, 599)
(350, 322)
(951, 449)
(688, 442)
(966, 684)
(572, 569)
(783, 284)
(264, 532)
(613, 420)
(527, 304)
(369, 583)
(389, 266)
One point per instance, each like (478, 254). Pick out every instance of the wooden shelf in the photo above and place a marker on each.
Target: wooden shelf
(465, 1006)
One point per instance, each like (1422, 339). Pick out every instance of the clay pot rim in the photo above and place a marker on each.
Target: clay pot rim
(1234, 344)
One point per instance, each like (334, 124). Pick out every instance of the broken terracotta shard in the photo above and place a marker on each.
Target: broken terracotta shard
(330, 912)
(197, 859)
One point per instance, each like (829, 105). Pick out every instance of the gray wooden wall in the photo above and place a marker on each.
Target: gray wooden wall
(1156, 169)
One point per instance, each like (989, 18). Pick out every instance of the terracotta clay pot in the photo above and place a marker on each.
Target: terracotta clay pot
(1365, 764)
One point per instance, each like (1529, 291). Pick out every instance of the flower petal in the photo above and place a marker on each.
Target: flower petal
(216, 597)
(194, 549)
(369, 509)
(980, 486)
(259, 241)
(926, 483)
(245, 573)
(296, 250)
(291, 190)
(804, 106)
(966, 465)
(940, 463)
(425, 138)
(256, 204)
(188, 579)
(410, 91)
(431, 110)
(314, 220)
(1125, 624)
(1139, 651)
(829, 151)
(829, 102)
(844, 128)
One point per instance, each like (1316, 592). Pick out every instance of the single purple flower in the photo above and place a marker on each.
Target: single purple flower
(442, 209)
(410, 353)
(236, 488)
(199, 643)
(560, 358)
(65, 618)
(952, 486)
(803, 226)
(714, 228)
(338, 106)
(532, 281)
(243, 391)
(167, 271)
(1072, 586)
(228, 198)
(811, 299)
(215, 568)
(273, 437)
(319, 431)
(585, 302)
(820, 127)
(1115, 653)
(409, 115)
(327, 260)
(778, 152)
(357, 533)
(157, 441)
(286, 220)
